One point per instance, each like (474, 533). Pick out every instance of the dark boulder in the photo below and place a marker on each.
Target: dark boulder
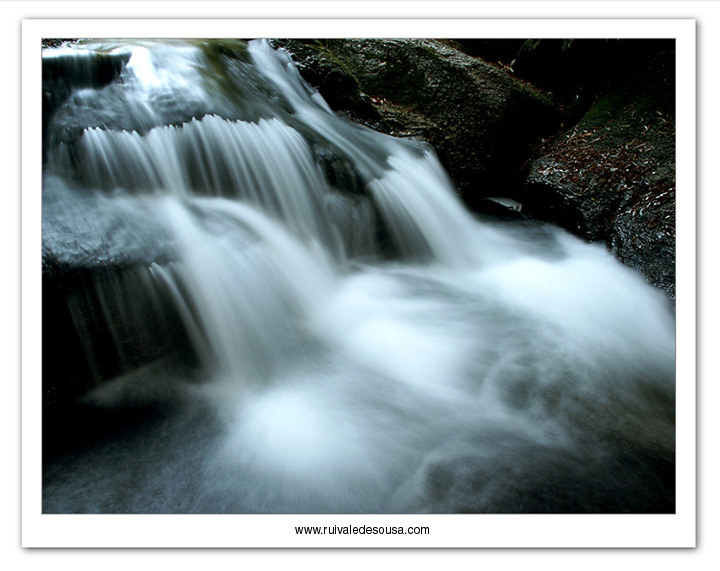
(644, 236)
(101, 322)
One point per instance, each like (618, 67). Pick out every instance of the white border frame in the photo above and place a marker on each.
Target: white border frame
(509, 531)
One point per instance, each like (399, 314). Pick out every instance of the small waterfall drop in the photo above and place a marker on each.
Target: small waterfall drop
(284, 342)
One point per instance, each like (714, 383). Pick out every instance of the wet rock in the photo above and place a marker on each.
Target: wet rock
(86, 229)
(644, 236)
(103, 321)
(90, 336)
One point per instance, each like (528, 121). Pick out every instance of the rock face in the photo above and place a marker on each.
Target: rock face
(612, 176)
(479, 118)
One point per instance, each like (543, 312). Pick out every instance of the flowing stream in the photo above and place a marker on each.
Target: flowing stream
(338, 333)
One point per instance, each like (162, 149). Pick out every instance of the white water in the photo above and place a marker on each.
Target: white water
(481, 367)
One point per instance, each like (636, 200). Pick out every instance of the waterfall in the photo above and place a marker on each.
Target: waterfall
(302, 316)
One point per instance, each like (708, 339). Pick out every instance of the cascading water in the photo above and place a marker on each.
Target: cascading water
(352, 339)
